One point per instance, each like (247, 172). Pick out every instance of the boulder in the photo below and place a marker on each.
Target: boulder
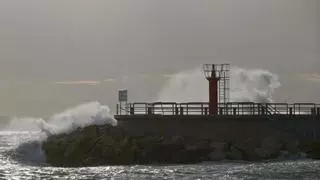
(262, 153)
(217, 155)
(218, 145)
(234, 153)
(108, 145)
(196, 144)
(218, 151)
(291, 145)
(270, 147)
(315, 149)
(107, 141)
(247, 147)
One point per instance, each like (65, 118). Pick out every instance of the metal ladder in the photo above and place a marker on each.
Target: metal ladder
(221, 91)
(272, 115)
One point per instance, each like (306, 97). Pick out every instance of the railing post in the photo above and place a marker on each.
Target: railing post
(262, 110)
(205, 111)
(318, 112)
(187, 109)
(290, 111)
(201, 109)
(227, 109)
(181, 111)
(131, 111)
(117, 109)
(313, 111)
(266, 110)
(221, 111)
(146, 108)
(234, 111)
(253, 109)
(177, 110)
(149, 111)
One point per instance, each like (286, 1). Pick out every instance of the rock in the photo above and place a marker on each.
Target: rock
(217, 155)
(271, 143)
(270, 148)
(247, 148)
(218, 145)
(262, 153)
(315, 149)
(90, 132)
(107, 141)
(107, 145)
(88, 161)
(190, 147)
(196, 145)
(69, 150)
(303, 155)
(292, 146)
(284, 153)
(234, 153)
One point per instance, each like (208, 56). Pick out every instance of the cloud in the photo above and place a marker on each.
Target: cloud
(92, 83)
(314, 77)
(167, 75)
(110, 80)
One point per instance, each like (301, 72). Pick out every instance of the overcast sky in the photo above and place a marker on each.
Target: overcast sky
(44, 42)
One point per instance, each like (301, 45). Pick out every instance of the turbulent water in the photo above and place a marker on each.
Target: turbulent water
(22, 163)
(21, 155)
(254, 85)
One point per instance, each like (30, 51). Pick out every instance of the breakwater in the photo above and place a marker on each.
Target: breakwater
(222, 127)
(191, 139)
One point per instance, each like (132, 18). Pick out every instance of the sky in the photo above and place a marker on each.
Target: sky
(59, 53)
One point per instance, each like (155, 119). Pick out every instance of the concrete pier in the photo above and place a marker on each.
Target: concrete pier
(224, 127)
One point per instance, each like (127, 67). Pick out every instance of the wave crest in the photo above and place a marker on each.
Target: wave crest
(254, 85)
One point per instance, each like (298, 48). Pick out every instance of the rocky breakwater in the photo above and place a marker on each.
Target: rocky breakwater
(107, 145)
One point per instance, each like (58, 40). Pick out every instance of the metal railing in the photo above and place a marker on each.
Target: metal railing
(232, 108)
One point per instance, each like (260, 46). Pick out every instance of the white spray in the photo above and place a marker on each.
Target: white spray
(254, 85)
(92, 113)
(37, 129)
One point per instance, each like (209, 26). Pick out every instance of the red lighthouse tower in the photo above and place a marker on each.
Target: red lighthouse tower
(218, 76)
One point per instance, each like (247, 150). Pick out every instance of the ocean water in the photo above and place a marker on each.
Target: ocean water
(20, 159)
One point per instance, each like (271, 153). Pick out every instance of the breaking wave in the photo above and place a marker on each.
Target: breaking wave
(29, 150)
(92, 113)
(247, 85)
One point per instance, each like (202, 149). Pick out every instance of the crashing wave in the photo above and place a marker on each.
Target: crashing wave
(247, 85)
(30, 150)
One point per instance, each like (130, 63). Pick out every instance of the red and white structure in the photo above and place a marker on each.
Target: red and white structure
(218, 76)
